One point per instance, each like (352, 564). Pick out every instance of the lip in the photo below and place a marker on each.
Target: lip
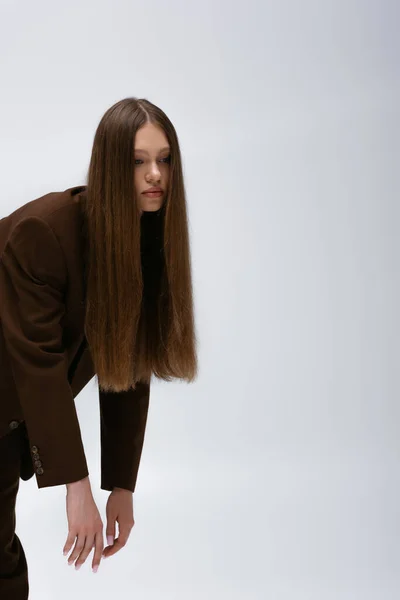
(153, 189)
(153, 194)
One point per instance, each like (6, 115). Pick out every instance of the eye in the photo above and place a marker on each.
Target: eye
(166, 160)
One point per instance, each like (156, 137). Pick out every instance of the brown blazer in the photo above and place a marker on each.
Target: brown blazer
(44, 358)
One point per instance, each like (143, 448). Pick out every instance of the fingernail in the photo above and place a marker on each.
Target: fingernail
(77, 567)
(65, 552)
(110, 540)
(95, 569)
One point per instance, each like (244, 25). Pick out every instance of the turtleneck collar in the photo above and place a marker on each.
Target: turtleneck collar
(148, 214)
(151, 227)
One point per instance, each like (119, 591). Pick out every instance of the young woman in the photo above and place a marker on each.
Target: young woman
(94, 281)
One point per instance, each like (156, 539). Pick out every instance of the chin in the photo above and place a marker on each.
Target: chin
(151, 206)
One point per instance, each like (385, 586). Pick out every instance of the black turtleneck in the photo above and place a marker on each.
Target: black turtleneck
(151, 244)
(151, 223)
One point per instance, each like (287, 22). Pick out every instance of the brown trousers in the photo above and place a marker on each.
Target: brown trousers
(13, 566)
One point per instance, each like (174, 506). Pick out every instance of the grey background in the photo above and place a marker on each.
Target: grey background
(276, 475)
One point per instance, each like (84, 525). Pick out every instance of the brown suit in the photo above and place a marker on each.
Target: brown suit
(44, 359)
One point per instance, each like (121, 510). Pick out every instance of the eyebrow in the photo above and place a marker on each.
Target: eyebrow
(159, 152)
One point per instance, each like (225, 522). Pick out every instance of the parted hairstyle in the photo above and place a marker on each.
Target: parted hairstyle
(128, 342)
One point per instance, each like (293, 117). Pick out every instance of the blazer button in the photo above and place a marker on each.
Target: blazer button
(35, 456)
(13, 424)
(38, 463)
(39, 471)
(34, 448)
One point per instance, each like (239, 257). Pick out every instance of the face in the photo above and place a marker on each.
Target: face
(152, 165)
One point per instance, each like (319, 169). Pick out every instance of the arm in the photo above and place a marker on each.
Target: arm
(33, 279)
(123, 418)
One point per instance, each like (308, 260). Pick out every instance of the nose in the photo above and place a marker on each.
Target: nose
(154, 172)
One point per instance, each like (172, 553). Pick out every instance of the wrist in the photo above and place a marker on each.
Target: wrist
(78, 484)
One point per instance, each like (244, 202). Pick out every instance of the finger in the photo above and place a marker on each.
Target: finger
(79, 545)
(110, 550)
(68, 544)
(110, 531)
(124, 532)
(99, 545)
(89, 541)
(119, 543)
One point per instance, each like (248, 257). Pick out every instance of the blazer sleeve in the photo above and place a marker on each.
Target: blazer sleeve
(123, 418)
(33, 280)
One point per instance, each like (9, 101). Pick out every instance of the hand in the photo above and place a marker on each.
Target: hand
(84, 523)
(119, 508)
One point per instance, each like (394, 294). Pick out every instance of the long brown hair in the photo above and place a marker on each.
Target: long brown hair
(127, 340)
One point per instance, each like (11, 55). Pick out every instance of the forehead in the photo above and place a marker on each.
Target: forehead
(150, 150)
(150, 139)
